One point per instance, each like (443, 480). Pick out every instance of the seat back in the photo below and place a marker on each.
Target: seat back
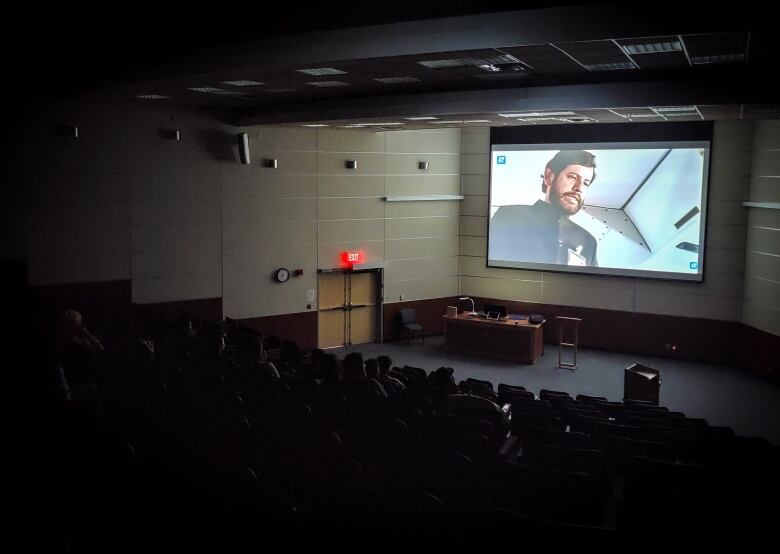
(408, 315)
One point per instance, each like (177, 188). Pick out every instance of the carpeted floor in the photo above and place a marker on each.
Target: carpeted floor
(722, 395)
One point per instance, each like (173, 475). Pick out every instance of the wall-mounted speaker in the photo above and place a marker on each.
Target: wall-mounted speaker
(270, 163)
(243, 148)
(351, 164)
(423, 166)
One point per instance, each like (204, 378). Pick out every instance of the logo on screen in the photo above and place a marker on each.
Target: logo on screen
(694, 265)
(501, 160)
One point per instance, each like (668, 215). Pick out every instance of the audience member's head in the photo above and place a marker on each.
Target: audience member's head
(385, 363)
(353, 366)
(372, 368)
(331, 368)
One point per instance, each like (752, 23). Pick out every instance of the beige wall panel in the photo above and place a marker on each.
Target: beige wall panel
(401, 249)
(438, 164)
(766, 163)
(338, 186)
(760, 316)
(418, 227)
(258, 211)
(55, 270)
(727, 212)
(719, 285)
(74, 242)
(525, 291)
(762, 265)
(169, 264)
(707, 307)
(254, 183)
(282, 138)
(414, 185)
(588, 296)
(767, 134)
(81, 215)
(477, 185)
(474, 205)
(353, 230)
(476, 141)
(171, 289)
(765, 189)
(434, 208)
(438, 141)
(275, 294)
(175, 214)
(421, 289)
(666, 303)
(349, 140)
(74, 187)
(473, 246)
(475, 164)
(351, 208)
(724, 260)
(367, 163)
(426, 268)
(297, 163)
(728, 187)
(164, 239)
(764, 218)
(330, 252)
(473, 226)
(268, 234)
(763, 240)
(241, 306)
(726, 236)
(763, 291)
(475, 267)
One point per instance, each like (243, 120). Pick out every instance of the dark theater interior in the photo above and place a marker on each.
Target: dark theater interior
(351, 275)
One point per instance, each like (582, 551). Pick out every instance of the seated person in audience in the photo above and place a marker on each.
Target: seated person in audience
(392, 384)
(355, 380)
(442, 380)
(332, 374)
(78, 351)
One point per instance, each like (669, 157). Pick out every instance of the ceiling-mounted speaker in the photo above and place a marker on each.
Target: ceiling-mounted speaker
(350, 164)
(270, 163)
(243, 148)
(423, 166)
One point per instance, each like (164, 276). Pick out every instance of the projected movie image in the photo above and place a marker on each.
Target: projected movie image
(625, 209)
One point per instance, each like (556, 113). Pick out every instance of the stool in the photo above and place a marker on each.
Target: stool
(573, 323)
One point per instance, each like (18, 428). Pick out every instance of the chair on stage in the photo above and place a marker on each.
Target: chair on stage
(409, 324)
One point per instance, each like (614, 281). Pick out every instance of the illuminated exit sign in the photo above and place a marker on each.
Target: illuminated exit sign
(352, 257)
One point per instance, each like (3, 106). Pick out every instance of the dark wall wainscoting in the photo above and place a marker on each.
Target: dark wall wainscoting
(300, 327)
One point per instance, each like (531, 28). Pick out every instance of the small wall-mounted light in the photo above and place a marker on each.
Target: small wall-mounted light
(75, 131)
(350, 164)
(170, 134)
(243, 148)
(67, 131)
(270, 163)
(422, 165)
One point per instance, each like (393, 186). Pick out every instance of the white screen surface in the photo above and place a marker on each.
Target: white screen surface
(642, 215)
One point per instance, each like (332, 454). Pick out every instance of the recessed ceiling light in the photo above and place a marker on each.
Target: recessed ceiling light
(382, 124)
(666, 109)
(152, 97)
(397, 80)
(448, 122)
(326, 84)
(319, 71)
(242, 83)
(206, 90)
(314, 125)
(537, 114)
(477, 121)
(469, 62)
(421, 118)
(653, 47)
(610, 66)
(720, 58)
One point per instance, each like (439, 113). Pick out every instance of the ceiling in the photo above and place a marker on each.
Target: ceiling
(394, 68)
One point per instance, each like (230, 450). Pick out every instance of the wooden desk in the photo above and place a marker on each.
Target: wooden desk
(512, 340)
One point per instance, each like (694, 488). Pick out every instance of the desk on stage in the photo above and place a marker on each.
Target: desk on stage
(511, 340)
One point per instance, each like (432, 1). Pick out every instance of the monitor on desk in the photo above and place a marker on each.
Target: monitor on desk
(493, 309)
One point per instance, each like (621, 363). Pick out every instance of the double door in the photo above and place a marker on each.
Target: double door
(349, 308)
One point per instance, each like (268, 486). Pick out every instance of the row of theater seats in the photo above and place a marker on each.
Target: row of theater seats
(191, 450)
